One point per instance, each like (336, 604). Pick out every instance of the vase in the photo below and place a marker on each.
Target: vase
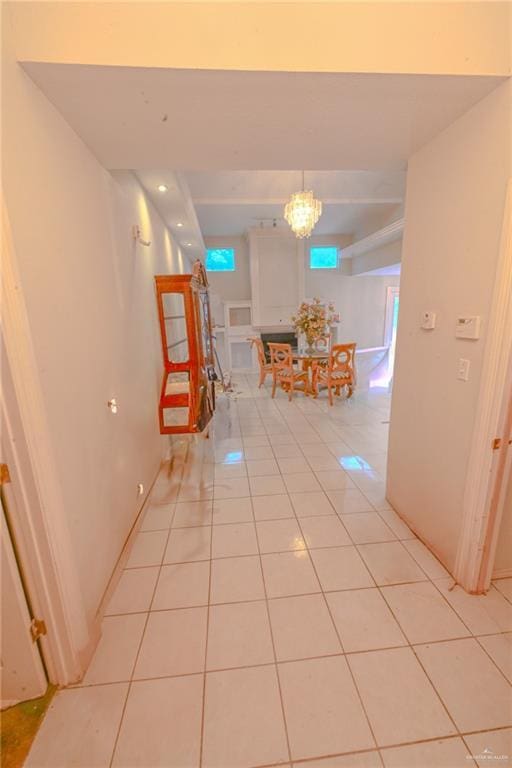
(310, 345)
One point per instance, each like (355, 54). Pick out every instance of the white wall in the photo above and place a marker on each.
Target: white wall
(231, 286)
(464, 38)
(90, 297)
(378, 220)
(384, 256)
(360, 300)
(454, 208)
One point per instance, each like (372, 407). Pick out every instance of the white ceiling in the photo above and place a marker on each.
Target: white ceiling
(220, 203)
(230, 202)
(358, 129)
(134, 117)
(175, 207)
(276, 186)
(390, 270)
(236, 219)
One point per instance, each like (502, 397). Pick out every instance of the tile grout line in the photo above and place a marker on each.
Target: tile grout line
(322, 591)
(428, 578)
(425, 672)
(476, 637)
(402, 629)
(266, 664)
(134, 665)
(396, 619)
(276, 667)
(493, 581)
(203, 702)
(326, 603)
(333, 623)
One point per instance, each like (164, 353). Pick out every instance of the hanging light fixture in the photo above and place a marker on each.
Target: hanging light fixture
(302, 212)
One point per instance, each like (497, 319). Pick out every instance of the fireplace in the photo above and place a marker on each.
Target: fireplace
(278, 338)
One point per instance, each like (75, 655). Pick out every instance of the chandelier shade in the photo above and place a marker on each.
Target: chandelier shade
(302, 212)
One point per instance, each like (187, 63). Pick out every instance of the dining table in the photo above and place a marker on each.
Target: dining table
(307, 357)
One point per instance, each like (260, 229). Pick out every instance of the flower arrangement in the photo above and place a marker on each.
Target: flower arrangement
(314, 319)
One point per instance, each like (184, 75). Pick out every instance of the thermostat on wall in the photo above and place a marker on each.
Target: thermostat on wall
(468, 327)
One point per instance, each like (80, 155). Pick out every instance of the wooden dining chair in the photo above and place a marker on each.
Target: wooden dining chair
(324, 342)
(283, 371)
(265, 368)
(338, 373)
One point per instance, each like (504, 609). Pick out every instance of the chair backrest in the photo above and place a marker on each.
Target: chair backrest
(324, 342)
(281, 356)
(260, 351)
(278, 338)
(342, 358)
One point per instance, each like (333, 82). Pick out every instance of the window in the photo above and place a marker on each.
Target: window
(220, 259)
(323, 257)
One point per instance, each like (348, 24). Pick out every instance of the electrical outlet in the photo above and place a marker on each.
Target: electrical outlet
(463, 369)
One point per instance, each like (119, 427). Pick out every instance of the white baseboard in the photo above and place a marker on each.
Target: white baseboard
(503, 573)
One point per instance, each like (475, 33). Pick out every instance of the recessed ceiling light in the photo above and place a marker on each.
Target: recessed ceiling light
(188, 245)
(163, 187)
(179, 223)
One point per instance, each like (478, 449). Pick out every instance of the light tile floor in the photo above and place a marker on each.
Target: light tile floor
(276, 611)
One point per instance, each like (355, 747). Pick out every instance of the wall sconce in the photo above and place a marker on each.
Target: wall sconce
(137, 236)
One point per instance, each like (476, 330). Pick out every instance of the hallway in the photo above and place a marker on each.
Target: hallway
(270, 558)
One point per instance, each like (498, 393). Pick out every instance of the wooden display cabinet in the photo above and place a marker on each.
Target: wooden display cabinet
(187, 397)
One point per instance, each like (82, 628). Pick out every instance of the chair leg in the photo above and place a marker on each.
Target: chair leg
(262, 377)
(274, 382)
(314, 385)
(331, 401)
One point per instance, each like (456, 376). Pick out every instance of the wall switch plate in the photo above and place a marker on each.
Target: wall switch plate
(428, 321)
(463, 369)
(467, 327)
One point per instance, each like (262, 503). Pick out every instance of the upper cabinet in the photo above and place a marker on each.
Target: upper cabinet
(277, 276)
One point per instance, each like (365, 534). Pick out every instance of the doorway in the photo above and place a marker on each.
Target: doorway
(392, 309)
(496, 560)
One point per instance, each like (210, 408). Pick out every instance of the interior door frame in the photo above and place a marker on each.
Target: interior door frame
(391, 292)
(480, 524)
(27, 679)
(501, 473)
(40, 528)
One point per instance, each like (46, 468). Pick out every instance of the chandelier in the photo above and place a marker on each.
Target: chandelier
(302, 212)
